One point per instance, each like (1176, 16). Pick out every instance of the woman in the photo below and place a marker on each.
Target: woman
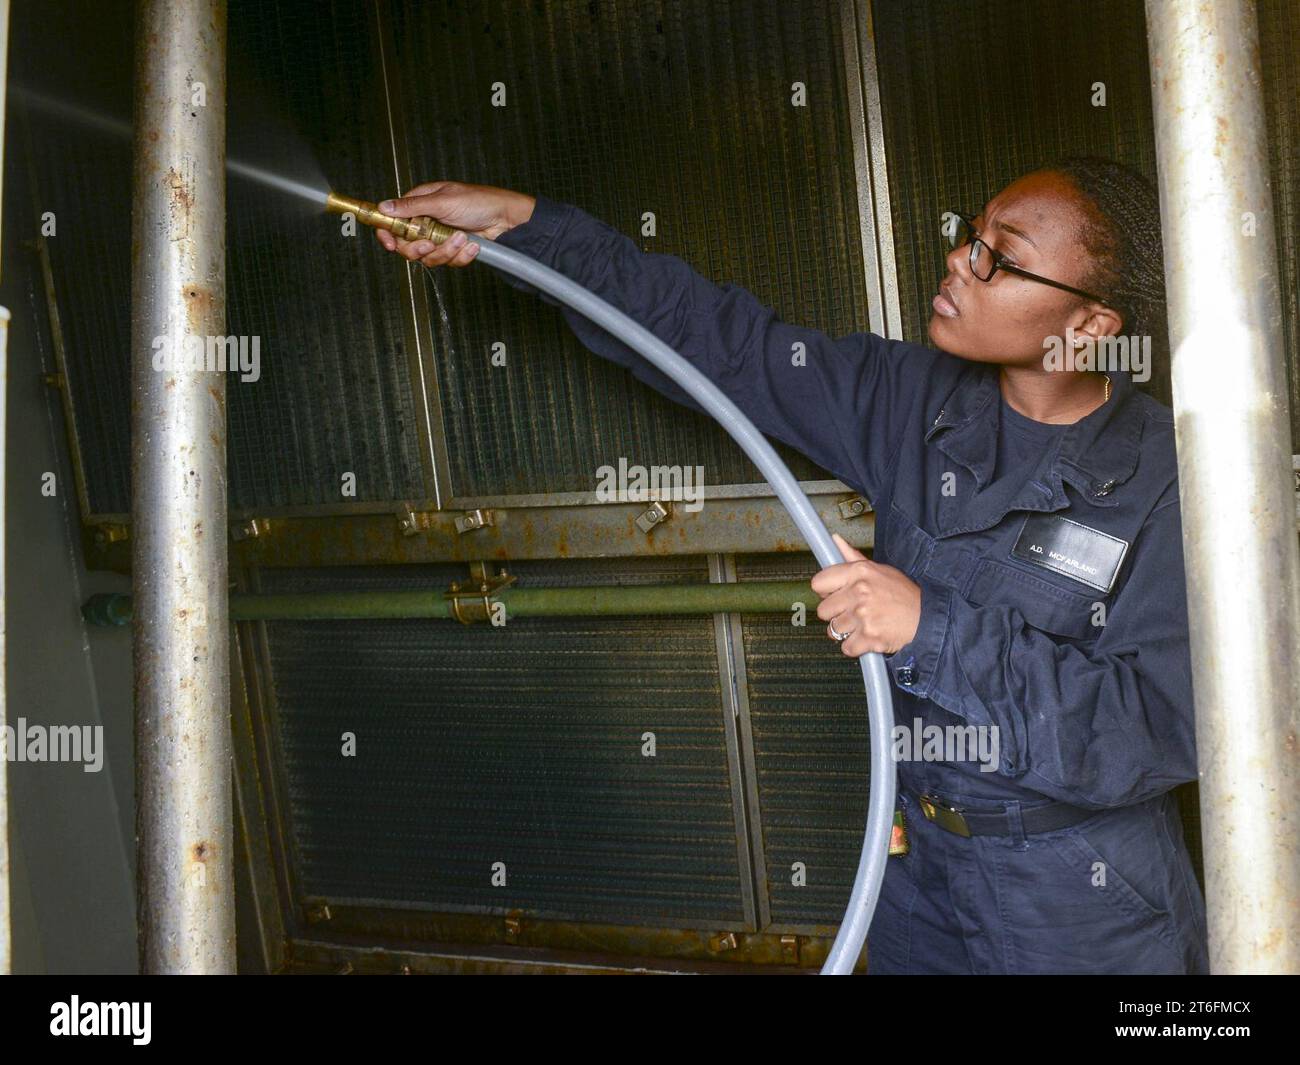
(1027, 583)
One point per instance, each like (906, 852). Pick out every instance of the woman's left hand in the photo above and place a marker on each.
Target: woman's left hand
(878, 604)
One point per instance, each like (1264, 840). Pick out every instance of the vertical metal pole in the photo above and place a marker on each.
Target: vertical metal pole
(870, 164)
(178, 492)
(1232, 425)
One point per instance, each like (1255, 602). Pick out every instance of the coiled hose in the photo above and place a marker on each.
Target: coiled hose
(880, 710)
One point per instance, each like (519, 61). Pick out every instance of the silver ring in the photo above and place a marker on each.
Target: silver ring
(836, 634)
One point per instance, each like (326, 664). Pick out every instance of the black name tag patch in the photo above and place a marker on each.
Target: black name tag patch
(1064, 546)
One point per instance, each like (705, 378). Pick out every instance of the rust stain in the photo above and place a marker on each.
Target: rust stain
(1221, 133)
(201, 851)
(199, 305)
(181, 193)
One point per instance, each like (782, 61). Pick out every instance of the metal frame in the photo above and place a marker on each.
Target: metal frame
(264, 739)
(753, 525)
(869, 161)
(301, 912)
(443, 490)
(259, 862)
(403, 942)
(307, 919)
(740, 756)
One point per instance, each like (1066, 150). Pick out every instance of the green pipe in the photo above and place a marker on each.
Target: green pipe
(760, 597)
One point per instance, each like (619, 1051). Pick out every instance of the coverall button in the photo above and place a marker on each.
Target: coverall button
(906, 676)
(1102, 488)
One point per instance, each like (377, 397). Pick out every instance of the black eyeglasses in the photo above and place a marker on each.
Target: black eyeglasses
(985, 262)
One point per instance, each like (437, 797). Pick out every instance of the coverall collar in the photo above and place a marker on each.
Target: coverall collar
(1095, 455)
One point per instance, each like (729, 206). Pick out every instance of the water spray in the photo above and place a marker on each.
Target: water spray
(120, 128)
(847, 947)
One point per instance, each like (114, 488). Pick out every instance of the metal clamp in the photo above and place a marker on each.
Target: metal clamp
(475, 519)
(790, 949)
(653, 515)
(473, 602)
(853, 508)
(248, 530)
(723, 942)
(111, 533)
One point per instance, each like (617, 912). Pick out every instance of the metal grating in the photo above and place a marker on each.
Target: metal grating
(335, 392)
(519, 745)
(808, 713)
(624, 107)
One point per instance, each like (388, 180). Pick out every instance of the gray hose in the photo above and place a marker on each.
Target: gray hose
(880, 706)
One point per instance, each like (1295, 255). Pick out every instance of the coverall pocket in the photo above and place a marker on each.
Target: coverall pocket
(1099, 877)
(1043, 603)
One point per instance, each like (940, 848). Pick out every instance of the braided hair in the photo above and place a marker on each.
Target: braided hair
(1121, 232)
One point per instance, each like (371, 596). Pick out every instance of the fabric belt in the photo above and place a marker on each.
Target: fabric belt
(964, 821)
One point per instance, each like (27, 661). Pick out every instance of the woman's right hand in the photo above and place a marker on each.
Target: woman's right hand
(478, 209)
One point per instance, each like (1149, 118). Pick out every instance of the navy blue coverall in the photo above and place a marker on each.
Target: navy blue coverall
(1052, 607)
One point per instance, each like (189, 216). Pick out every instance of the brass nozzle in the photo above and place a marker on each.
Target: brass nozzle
(418, 228)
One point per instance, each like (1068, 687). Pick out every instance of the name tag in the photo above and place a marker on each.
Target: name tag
(1087, 555)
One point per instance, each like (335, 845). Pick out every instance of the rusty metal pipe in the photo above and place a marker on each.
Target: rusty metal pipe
(185, 893)
(1233, 433)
